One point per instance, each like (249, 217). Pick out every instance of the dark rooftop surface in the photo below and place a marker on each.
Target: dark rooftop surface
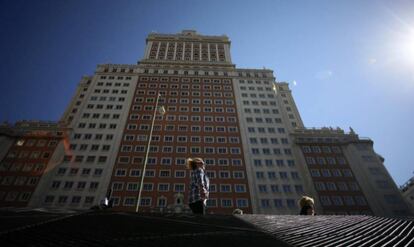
(106, 228)
(334, 230)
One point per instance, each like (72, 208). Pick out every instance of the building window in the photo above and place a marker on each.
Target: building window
(132, 187)
(226, 203)
(274, 188)
(148, 187)
(278, 203)
(360, 200)
(242, 203)
(337, 200)
(240, 188)
(134, 173)
(179, 187)
(117, 186)
(180, 173)
(224, 174)
(163, 187)
(353, 186)
(291, 203)
(49, 199)
(331, 186)
(146, 201)
(120, 172)
(265, 203)
(349, 200)
(129, 201)
(325, 200)
(165, 173)
(347, 173)
(271, 175)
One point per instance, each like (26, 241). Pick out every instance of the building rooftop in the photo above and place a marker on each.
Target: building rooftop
(407, 185)
(108, 228)
(327, 134)
(188, 35)
(33, 128)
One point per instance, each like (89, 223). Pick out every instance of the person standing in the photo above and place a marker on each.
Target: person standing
(199, 185)
(307, 206)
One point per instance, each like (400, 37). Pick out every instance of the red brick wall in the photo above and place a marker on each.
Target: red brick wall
(21, 169)
(345, 176)
(148, 87)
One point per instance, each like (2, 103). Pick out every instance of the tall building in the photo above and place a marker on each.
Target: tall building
(96, 117)
(407, 191)
(212, 110)
(347, 175)
(268, 114)
(27, 152)
(242, 122)
(191, 73)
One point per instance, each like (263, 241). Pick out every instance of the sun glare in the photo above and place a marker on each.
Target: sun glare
(406, 48)
(401, 42)
(395, 53)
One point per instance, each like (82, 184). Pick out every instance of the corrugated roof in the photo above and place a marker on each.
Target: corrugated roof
(106, 228)
(129, 229)
(336, 230)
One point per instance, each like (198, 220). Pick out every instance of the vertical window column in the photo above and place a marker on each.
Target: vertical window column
(175, 50)
(208, 51)
(166, 51)
(158, 50)
(192, 51)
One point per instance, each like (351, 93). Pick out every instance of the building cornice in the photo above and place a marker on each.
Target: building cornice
(188, 36)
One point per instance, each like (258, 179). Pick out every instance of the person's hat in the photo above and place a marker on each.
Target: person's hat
(306, 201)
(197, 160)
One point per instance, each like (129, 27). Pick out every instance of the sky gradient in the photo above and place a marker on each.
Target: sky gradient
(349, 63)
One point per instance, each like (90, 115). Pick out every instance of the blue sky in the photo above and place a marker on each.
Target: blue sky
(349, 63)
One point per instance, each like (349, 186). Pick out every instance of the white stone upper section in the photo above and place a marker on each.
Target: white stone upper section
(187, 46)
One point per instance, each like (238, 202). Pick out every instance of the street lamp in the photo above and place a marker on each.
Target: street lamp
(161, 110)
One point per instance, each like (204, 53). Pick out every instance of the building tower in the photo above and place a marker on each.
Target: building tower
(28, 152)
(95, 118)
(193, 75)
(242, 122)
(348, 176)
